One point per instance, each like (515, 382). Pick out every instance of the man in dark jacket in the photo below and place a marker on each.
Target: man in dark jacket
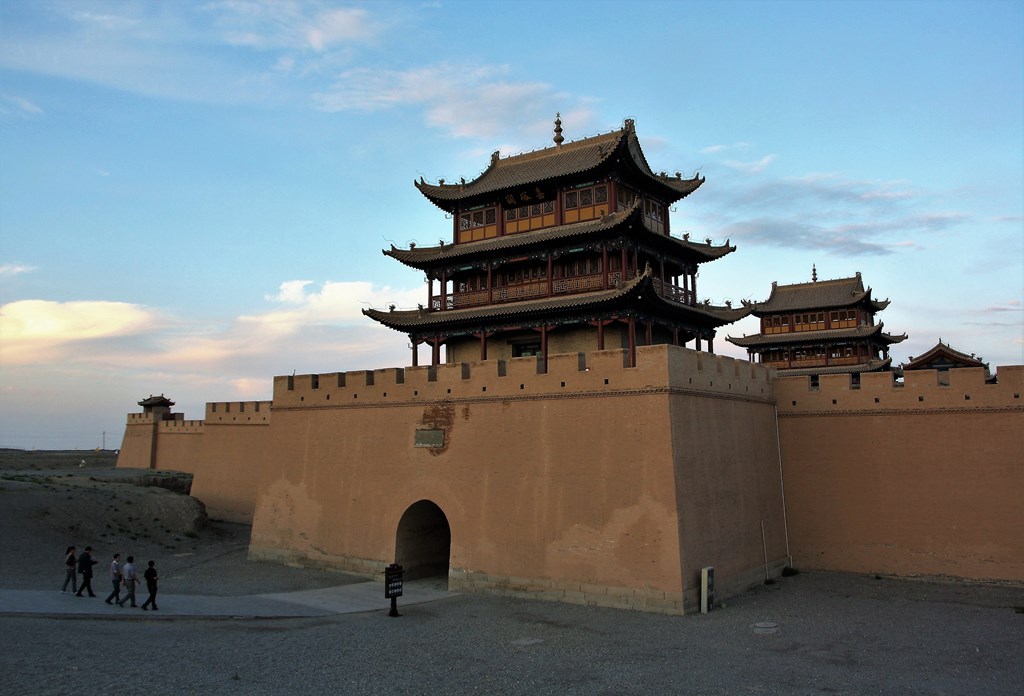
(85, 564)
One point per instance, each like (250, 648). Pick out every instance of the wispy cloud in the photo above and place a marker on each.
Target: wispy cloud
(308, 323)
(713, 149)
(447, 93)
(13, 269)
(755, 167)
(11, 105)
(39, 330)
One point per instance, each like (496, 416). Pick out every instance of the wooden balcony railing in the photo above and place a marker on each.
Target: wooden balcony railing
(559, 286)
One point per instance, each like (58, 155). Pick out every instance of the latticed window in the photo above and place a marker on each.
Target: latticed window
(530, 217)
(585, 203)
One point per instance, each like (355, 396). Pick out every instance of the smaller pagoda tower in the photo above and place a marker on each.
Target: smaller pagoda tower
(942, 357)
(820, 328)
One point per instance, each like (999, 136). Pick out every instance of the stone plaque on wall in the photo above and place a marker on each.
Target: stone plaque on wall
(430, 438)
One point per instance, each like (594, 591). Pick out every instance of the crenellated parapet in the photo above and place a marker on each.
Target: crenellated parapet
(920, 391)
(670, 369)
(238, 412)
(180, 425)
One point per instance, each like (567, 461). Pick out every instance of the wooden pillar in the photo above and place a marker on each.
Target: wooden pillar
(661, 271)
(435, 352)
(444, 290)
(604, 266)
(711, 345)
(648, 333)
(632, 342)
(675, 335)
(551, 273)
(544, 346)
(483, 345)
(696, 342)
(623, 264)
(430, 292)
(693, 286)
(415, 352)
(600, 335)
(490, 284)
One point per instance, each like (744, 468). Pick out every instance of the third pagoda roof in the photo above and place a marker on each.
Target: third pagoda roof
(559, 161)
(826, 294)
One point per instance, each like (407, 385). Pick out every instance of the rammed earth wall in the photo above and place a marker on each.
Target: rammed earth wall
(603, 484)
(914, 479)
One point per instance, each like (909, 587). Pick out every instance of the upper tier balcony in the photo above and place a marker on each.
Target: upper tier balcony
(559, 286)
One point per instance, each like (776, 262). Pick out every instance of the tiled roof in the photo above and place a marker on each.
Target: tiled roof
(557, 161)
(872, 365)
(797, 337)
(842, 292)
(424, 257)
(156, 401)
(939, 352)
(526, 310)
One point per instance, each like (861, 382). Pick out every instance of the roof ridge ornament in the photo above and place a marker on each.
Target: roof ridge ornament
(558, 130)
(814, 273)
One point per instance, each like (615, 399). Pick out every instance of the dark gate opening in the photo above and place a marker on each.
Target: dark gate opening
(423, 542)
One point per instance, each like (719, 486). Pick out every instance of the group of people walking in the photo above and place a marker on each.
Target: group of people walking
(122, 575)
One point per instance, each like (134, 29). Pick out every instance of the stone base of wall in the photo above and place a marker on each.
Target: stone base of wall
(648, 600)
(364, 567)
(727, 586)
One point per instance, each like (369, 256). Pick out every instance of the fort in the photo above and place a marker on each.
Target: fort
(596, 482)
(570, 446)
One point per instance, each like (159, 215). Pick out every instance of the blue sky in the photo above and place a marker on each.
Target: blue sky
(194, 196)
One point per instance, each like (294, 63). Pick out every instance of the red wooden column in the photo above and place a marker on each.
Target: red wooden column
(623, 264)
(632, 342)
(483, 346)
(544, 345)
(711, 345)
(649, 332)
(604, 266)
(435, 353)
(430, 292)
(551, 272)
(600, 331)
(415, 352)
(490, 284)
(675, 335)
(444, 290)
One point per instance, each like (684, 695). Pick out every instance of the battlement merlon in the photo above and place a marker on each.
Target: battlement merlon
(657, 366)
(238, 412)
(921, 390)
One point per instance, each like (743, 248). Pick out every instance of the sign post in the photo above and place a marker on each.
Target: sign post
(393, 586)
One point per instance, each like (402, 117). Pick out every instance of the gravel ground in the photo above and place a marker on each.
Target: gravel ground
(814, 633)
(810, 634)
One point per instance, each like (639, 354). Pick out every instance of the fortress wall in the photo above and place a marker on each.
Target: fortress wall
(912, 479)
(728, 479)
(139, 442)
(559, 485)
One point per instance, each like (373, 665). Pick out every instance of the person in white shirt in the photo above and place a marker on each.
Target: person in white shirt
(130, 581)
(115, 579)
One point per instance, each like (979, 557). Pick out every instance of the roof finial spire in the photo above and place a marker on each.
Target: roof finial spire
(814, 273)
(558, 129)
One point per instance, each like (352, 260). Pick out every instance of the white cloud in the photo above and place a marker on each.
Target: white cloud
(755, 167)
(12, 269)
(711, 149)
(11, 105)
(35, 330)
(467, 101)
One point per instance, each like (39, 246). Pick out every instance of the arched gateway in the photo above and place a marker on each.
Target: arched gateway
(423, 541)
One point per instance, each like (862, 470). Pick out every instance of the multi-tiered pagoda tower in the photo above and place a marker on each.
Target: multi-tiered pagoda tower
(565, 249)
(819, 328)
